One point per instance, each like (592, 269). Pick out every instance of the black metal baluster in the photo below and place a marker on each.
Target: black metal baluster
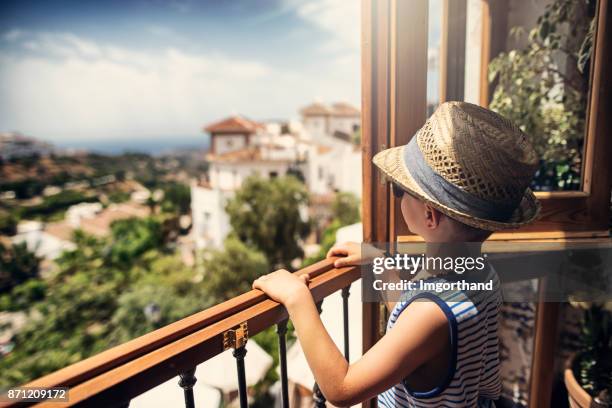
(317, 395)
(239, 353)
(345, 296)
(281, 330)
(187, 382)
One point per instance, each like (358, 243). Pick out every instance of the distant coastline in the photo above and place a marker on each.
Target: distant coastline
(153, 147)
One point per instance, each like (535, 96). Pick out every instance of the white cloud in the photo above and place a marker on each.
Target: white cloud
(12, 35)
(64, 87)
(340, 18)
(165, 32)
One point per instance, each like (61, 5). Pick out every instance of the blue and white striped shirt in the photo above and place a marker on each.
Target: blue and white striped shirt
(473, 379)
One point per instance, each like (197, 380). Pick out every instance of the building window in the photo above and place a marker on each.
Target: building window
(205, 225)
(273, 174)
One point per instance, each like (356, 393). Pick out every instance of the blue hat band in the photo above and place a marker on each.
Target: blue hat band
(447, 193)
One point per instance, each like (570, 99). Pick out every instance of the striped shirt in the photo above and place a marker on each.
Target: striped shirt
(473, 379)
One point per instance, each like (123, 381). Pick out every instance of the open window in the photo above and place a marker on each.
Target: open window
(398, 58)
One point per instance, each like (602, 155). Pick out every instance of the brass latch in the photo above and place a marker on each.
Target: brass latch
(236, 338)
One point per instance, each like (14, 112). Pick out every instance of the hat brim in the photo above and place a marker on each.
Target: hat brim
(391, 163)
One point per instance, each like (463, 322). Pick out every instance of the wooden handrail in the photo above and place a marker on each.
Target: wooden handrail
(125, 371)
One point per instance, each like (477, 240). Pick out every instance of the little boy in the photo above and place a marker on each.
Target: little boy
(463, 175)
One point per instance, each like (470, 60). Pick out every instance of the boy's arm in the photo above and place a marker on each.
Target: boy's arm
(420, 334)
(354, 254)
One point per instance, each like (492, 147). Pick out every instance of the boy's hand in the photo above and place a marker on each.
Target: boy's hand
(351, 253)
(283, 286)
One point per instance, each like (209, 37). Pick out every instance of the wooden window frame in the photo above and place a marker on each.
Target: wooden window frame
(568, 213)
(394, 107)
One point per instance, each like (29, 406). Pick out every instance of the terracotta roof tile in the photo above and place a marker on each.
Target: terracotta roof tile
(60, 229)
(101, 223)
(345, 109)
(234, 124)
(337, 109)
(315, 109)
(323, 149)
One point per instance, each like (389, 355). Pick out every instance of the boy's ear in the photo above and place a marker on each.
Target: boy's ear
(432, 217)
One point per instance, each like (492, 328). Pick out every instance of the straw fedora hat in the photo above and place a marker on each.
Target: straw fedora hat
(471, 164)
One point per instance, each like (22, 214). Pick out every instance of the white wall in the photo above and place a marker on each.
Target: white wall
(230, 176)
(210, 222)
(338, 169)
(315, 171)
(315, 125)
(350, 178)
(229, 143)
(343, 124)
(43, 244)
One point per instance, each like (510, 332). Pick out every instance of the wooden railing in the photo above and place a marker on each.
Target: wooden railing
(115, 376)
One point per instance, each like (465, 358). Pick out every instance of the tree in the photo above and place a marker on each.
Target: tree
(177, 197)
(56, 203)
(267, 215)
(106, 291)
(134, 236)
(8, 223)
(17, 265)
(345, 208)
(345, 211)
(231, 271)
(163, 293)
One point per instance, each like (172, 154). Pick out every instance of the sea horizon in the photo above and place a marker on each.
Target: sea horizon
(154, 146)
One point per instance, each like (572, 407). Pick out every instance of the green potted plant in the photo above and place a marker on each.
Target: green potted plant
(585, 277)
(588, 376)
(543, 87)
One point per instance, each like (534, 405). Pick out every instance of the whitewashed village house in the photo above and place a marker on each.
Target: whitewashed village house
(320, 147)
(335, 164)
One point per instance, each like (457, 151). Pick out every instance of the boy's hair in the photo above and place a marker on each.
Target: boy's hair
(467, 233)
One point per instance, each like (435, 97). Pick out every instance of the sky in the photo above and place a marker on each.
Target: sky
(142, 71)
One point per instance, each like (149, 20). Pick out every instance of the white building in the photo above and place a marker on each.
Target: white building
(321, 120)
(320, 147)
(239, 148)
(210, 221)
(13, 145)
(46, 244)
(76, 213)
(335, 164)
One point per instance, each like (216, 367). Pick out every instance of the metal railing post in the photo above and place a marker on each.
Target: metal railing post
(281, 330)
(239, 353)
(345, 312)
(187, 382)
(237, 339)
(317, 395)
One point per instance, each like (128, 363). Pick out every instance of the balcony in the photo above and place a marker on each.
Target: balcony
(394, 72)
(113, 377)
